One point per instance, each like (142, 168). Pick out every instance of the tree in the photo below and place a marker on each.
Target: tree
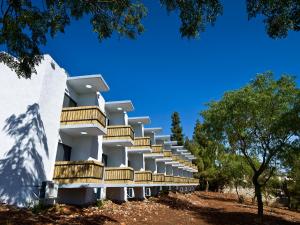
(236, 170)
(254, 121)
(176, 129)
(25, 24)
(281, 16)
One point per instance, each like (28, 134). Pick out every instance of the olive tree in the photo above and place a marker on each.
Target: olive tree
(255, 121)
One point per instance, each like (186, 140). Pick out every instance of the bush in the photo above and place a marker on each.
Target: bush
(38, 208)
(100, 203)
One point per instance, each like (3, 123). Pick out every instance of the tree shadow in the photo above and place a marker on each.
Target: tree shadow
(22, 168)
(75, 216)
(217, 216)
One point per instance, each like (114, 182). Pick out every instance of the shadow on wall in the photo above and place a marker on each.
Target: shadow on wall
(22, 168)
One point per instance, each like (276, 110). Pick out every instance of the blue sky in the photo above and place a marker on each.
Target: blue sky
(162, 73)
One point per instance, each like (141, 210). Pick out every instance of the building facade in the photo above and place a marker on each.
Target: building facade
(61, 141)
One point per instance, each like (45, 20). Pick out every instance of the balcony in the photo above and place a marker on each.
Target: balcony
(193, 181)
(167, 154)
(119, 136)
(119, 175)
(142, 176)
(158, 177)
(169, 179)
(177, 179)
(69, 172)
(88, 120)
(157, 148)
(141, 144)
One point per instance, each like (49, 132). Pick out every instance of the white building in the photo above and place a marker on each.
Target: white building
(60, 129)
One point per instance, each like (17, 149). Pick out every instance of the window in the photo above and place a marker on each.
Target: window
(104, 159)
(68, 101)
(63, 152)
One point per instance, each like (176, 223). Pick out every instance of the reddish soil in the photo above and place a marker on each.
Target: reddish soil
(198, 208)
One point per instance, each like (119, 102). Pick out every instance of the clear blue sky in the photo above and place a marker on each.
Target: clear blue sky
(161, 72)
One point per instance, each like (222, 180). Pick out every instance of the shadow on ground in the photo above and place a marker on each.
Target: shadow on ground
(17, 216)
(216, 216)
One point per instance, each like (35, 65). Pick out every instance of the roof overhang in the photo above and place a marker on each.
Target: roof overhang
(116, 106)
(139, 120)
(164, 138)
(177, 147)
(87, 84)
(154, 130)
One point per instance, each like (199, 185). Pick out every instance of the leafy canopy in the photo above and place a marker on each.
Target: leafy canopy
(256, 121)
(26, 25)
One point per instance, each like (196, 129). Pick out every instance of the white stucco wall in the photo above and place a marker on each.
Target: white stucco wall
(29, 125)
(116, 118)
(116, 157)
(136, 161)
(138, 130)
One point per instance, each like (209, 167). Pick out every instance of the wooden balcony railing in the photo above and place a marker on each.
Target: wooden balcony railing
(157, 148)
(177, 179)
(193, 181)
(142, 176)
(141, 142)
(158, 177)
(167, 154)
(169, 179)
(119, 132)
(68, 172)
(175, 158)
(118, 174)
(82, 115)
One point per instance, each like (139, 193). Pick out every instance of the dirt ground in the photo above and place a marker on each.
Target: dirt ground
(197, 208)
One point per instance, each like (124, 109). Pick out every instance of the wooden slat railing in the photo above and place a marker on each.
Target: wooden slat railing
(119, 132)
(158, 177)
(82, 115)
(141, 142)
(157, 148)
(142, 176)
(194, 180)
(118, 174)
(67, 172)
(169, 179)
(167, 154)
(176, 179)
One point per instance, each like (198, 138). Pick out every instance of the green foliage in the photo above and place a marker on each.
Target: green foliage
(38, 208)
(291, 185)
(255, 121)
(281, 16)
(100, 203)
(176, 129)
(26, 24)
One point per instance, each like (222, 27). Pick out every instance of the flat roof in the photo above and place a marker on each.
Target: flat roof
(163, 137)
(87, 84)
(139, 120)
(177, 147)
(114, 106)
(153, 130)
(182, 150)
(170, 142)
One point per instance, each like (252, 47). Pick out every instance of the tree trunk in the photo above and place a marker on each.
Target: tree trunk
(260, 205)
(237, 192)
(207, 186)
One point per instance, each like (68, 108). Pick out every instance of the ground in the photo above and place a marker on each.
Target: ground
(187, 209)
